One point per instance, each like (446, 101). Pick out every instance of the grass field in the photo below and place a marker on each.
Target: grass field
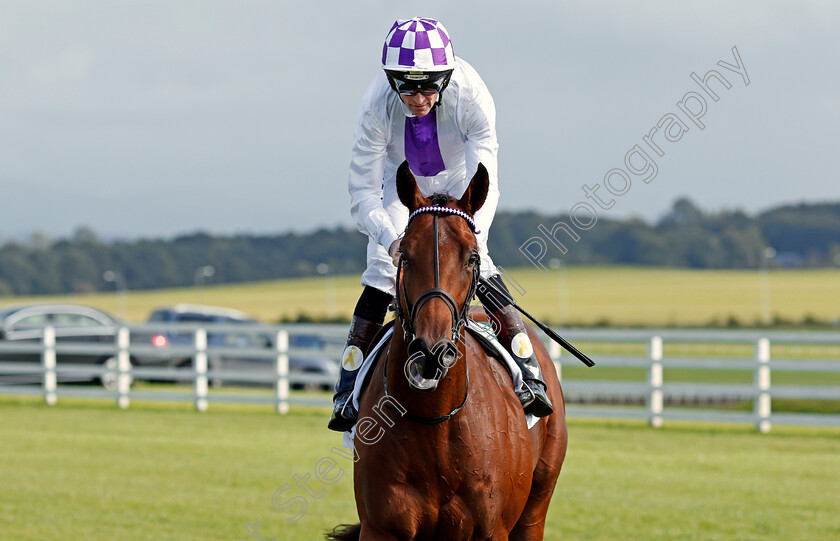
(626, 296)
(86, 470)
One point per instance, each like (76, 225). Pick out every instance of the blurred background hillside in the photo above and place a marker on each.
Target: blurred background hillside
(791, 236)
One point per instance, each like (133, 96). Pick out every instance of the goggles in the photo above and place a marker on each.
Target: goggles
(413, 83)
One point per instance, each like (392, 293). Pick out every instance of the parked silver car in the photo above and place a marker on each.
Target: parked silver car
(235, 344)
(73, 324)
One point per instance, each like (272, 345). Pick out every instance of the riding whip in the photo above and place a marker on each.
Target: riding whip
(543, 327)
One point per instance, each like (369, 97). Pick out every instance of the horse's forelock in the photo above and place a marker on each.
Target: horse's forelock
(440, 199)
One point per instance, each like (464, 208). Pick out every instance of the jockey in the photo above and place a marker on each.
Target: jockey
(431, 108)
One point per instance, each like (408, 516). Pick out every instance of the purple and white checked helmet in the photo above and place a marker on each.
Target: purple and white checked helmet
(418, 44)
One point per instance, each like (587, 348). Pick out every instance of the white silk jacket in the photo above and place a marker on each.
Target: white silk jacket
(465, 136)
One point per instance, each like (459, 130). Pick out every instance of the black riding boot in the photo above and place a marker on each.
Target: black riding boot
(511, 332)
(359, 341)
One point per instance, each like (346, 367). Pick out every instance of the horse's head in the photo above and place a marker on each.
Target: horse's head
(437, 274)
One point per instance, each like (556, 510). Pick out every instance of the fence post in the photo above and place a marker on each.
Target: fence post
(556, 352)
(655, 401)
(281, 373)
(200, 367)
(762, 383)
(123, 368)
(48, 364)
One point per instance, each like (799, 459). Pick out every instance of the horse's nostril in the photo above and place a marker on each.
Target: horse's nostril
(431, 363)
(418, 346)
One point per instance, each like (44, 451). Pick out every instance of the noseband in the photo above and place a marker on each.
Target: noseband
(408, 318)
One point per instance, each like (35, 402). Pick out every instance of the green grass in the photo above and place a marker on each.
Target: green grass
(615, 295)
(86, 470)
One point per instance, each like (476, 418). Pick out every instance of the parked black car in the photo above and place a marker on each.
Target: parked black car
(72, 324)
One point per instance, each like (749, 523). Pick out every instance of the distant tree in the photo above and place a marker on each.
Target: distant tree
(802, 229)
(85, 235)
(683, 213)
(39, 240)
(16, 270)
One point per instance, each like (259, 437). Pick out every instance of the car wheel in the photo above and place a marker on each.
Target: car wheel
(310, 385)
(109, 379)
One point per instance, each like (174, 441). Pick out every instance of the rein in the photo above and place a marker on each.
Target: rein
(459, 317)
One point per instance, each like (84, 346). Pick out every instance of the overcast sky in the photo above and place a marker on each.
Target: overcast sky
(151, 119)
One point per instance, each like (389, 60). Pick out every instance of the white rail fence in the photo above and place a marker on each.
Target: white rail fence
(265, 366)
(656, 391)
(275, 371)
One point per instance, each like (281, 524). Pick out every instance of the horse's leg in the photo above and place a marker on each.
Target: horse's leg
(531, 522)
(531, 531)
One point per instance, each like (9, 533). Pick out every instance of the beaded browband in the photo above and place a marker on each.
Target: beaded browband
(445, 210)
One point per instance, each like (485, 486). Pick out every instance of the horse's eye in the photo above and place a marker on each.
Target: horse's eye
(403, 259)
(473, 260)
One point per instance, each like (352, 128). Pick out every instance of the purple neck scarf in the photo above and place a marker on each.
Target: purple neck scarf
(421, 145)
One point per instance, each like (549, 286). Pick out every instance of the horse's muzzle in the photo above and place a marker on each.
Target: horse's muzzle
(425, 367)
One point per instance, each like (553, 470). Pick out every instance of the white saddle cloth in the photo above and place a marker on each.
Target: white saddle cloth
(484, 330)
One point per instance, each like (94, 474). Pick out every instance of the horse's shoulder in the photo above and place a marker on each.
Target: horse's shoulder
(478, 314)
(485, 363)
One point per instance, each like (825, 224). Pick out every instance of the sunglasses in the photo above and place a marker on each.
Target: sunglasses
(412, 88)
(431, 91)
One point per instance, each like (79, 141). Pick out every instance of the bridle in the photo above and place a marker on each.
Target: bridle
(459, 316)
(406, 312)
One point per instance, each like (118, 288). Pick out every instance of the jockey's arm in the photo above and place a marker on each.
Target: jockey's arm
(479, 118)
(367, 167)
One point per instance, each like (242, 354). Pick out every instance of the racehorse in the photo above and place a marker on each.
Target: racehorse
(456, 460)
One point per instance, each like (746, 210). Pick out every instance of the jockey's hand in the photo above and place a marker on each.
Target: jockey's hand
(394, 252)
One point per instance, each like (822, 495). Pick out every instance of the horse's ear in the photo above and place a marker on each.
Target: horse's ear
(407, 188)
(476, 192)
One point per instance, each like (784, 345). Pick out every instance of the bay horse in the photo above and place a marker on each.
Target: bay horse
(456, 460)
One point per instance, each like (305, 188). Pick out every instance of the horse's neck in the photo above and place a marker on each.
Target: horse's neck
(449, 394)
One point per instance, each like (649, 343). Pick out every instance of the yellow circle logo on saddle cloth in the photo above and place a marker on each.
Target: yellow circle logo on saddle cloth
(521, 346)
(352, 358)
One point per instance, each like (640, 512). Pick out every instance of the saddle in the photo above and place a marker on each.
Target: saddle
(483, 334)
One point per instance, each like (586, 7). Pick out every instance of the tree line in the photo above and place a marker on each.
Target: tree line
(802, 235)
(799, 235)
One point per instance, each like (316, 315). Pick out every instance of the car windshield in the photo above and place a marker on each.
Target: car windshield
(158, 315)
(75, 320)
(195, 318)
(35, 321)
